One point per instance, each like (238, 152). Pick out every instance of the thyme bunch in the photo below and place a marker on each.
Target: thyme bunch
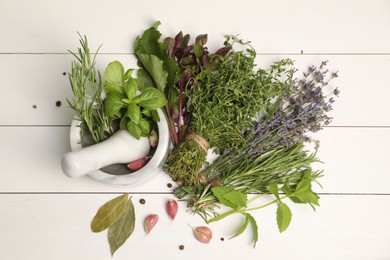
(223, 103)
(87, 87)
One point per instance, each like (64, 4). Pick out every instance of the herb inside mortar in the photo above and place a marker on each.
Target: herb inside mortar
(87, 87)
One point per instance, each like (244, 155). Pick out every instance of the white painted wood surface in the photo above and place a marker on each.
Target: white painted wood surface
(45, 215)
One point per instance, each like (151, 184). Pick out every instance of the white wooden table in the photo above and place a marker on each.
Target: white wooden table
(45, 215)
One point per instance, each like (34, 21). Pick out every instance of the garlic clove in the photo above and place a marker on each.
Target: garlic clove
(172, 208)
(150, 222)
(203, 234)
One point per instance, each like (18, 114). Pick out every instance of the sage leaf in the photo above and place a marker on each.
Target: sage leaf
(283, 216)
(152, 99)
(237, 198)
(242, 229)
(114, 72)
(109, 213)
(155, 68)
(123, 228)
(255, 228)
(219, 192)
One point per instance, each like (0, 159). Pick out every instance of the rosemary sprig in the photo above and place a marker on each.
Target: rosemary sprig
(87, 87)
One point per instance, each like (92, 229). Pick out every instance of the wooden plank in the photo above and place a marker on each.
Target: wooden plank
(355, 161)
(43, 84)
(282, 26)
(57, 227)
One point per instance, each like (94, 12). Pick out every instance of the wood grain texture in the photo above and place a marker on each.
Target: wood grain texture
(280, 26)
(57, 227)
(363, 84)
(45, 215)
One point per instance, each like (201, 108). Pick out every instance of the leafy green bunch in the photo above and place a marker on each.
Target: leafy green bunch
(223, 103)
(136, 112)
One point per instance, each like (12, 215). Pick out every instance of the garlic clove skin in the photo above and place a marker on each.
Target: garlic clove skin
(203, 234)
(172, 208)
(150, 222)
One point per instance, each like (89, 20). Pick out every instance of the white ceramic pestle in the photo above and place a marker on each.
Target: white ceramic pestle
(119, 148)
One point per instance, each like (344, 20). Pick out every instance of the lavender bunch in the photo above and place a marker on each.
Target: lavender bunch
(274, 153)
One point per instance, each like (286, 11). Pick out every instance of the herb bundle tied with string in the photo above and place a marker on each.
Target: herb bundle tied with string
(224, 101)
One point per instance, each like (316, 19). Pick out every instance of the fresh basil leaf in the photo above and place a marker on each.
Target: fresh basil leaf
(114, 72)
(121, 230)
(110, 87)
(283, 216)
(123, 123)
(130, 88)
(237, 198)
(255, 228)
(242, 229)
(147, 112)
(145, 126)
(155, 116)
(219, 192)
(109, 213)
(128, 74)
(134, 129)
(152, 99)
(134, 112)
(155, 68)
(112, 104)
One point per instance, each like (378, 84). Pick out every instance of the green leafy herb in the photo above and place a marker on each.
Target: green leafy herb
(87, 88)
(283, 216)
(123, 103)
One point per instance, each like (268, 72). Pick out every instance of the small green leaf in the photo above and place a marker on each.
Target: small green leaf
(144, 80)
(198, 50)
(242, 229)
(114, 72)
(255, 228)
(147, 112)
(144, 125)
(112, 104)
(219, 192)
(155, 116)
(110, 87)
(123, 124)
(121, 230)
(134, 112)
(134, 129)
(273, 188)
(128, 74)
(237, 198)
(130, 88)
(109, 213)
(152, 98)
(155, 68)
(283, 216)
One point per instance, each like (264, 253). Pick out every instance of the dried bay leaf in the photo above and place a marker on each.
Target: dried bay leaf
(109, 213)
(121, 230)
